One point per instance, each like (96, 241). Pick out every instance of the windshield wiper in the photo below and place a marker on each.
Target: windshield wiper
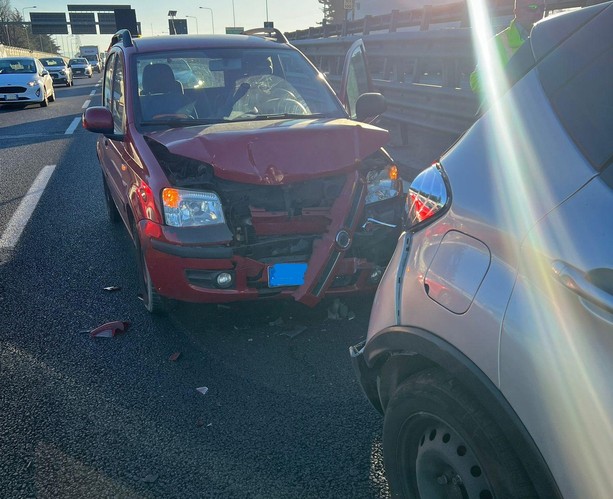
(277, 116)
(184, 122)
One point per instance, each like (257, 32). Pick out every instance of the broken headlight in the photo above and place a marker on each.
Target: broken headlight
(382, 184)
(183, 208)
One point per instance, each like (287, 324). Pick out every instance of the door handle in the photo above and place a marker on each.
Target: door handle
(577, 282)
(106, 142)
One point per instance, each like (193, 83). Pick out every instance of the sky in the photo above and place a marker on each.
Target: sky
(287, 15)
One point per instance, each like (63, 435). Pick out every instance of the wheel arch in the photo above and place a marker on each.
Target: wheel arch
(399, 352)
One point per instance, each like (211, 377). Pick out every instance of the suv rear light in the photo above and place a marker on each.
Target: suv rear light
(428, 196)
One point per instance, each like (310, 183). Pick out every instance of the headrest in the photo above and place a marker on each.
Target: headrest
(159, 79)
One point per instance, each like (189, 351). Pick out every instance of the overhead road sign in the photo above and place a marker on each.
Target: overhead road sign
(177, 26)
(126, 19)
(82, 23)
(48, 23)
(235, 30)
(106, 23)
(96, 8)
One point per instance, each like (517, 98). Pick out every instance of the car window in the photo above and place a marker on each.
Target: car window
(577, 78)
(17, 66)
(108, 82)
(52, 62)
(118, 102)
(235, 83)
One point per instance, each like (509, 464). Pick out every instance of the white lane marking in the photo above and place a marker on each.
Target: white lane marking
(85, 104)
(24, 211)
(73, 126)
(93, 92)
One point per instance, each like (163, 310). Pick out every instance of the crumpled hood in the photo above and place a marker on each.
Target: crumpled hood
(276, 152)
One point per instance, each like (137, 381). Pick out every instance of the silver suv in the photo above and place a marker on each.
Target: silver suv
(490, 343)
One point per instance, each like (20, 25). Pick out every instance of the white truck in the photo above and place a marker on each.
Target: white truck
(92, 54)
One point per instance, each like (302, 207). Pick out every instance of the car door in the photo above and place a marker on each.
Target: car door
(356, 78)
(557, 337)
(113, 165)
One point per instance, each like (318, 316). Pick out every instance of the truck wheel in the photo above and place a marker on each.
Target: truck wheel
(438, 442)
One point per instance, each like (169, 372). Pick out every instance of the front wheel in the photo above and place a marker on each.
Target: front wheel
(154, 303)
(45, 101)
(438, 442)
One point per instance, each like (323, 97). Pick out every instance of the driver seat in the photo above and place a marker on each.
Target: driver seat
(161, 93)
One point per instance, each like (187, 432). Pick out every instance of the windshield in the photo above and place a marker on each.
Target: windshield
(17, 66)
(78, 61)
(215, 85)
(53, 61)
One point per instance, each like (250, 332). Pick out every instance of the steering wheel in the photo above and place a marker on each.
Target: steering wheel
(281, 105)
(180, 116)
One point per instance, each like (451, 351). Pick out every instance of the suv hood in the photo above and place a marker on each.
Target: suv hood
(275, 152)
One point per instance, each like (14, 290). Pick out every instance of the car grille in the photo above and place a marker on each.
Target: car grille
(12, 90)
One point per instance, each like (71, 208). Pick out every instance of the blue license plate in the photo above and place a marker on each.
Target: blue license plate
(286, 274)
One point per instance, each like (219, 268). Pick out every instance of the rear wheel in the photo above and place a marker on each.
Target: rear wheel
(111, 207)
(438, 442)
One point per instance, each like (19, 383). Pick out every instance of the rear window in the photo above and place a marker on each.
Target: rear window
(577, 78)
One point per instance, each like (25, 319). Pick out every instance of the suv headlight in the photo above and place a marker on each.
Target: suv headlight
(184, 208)
(382, 184)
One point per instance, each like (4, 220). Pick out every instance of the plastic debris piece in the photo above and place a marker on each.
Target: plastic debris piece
(224, 307)
(174, 357)
(203, 390)
(339, 310)
(110, 289)
(150, 478)
(109, 329)
(278, 322)
(350, 316)
(292, 333)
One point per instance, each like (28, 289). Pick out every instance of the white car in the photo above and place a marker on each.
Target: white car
(24, 80)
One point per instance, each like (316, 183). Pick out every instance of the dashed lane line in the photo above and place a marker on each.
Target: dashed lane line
(73, 126)
(19, 220)
(85, 104)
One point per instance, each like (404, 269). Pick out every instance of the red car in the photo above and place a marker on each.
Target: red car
(249, 178)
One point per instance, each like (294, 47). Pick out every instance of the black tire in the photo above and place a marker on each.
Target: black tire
(52, 98)
(438, 442)
(111, 208)
(154, 303)
(45, 101)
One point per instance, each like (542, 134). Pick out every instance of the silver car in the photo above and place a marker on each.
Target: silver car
(490, 344)
(59, 70)
(24, 80)
(80, 67)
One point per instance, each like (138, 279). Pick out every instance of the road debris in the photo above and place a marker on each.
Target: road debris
(150, 478)
(292, 333)
(110, 289)
(174, 357)
(277, 322)
(339, 311)
(203, 390)
(109, 329)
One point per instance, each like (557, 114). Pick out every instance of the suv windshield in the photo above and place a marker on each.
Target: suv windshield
(231, 84)
(78, 61)
(53, 61)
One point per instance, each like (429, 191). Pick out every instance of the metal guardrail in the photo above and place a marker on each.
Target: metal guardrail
(424, 76)
(422, 72)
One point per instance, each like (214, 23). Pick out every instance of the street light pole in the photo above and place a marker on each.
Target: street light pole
(212, 19)
(23, 16)
(195, 19)
(266, 10)
(233, 15)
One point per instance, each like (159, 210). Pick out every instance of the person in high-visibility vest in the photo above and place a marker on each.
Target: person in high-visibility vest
(527, 12)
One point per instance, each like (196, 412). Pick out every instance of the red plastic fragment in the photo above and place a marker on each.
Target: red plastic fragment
(109, 329)
(174, 356)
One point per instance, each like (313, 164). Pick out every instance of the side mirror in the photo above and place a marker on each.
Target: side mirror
(369, 105)
(99, 119)
(44, 72)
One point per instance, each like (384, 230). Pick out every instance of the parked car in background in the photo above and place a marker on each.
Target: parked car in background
(59, 70)
(24, 80)
(490, 343)
(255, 185)
(80, 67)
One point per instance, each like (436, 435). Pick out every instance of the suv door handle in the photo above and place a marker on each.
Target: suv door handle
(577, 281)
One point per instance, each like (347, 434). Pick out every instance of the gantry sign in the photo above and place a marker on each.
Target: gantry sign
(82, 20)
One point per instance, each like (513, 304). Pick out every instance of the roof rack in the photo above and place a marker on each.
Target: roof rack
(124, 36)
(269, 33)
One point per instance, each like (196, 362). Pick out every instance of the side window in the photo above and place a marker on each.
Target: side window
(108, 79)
(117, 102)
(577, 78)
(356, 77)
